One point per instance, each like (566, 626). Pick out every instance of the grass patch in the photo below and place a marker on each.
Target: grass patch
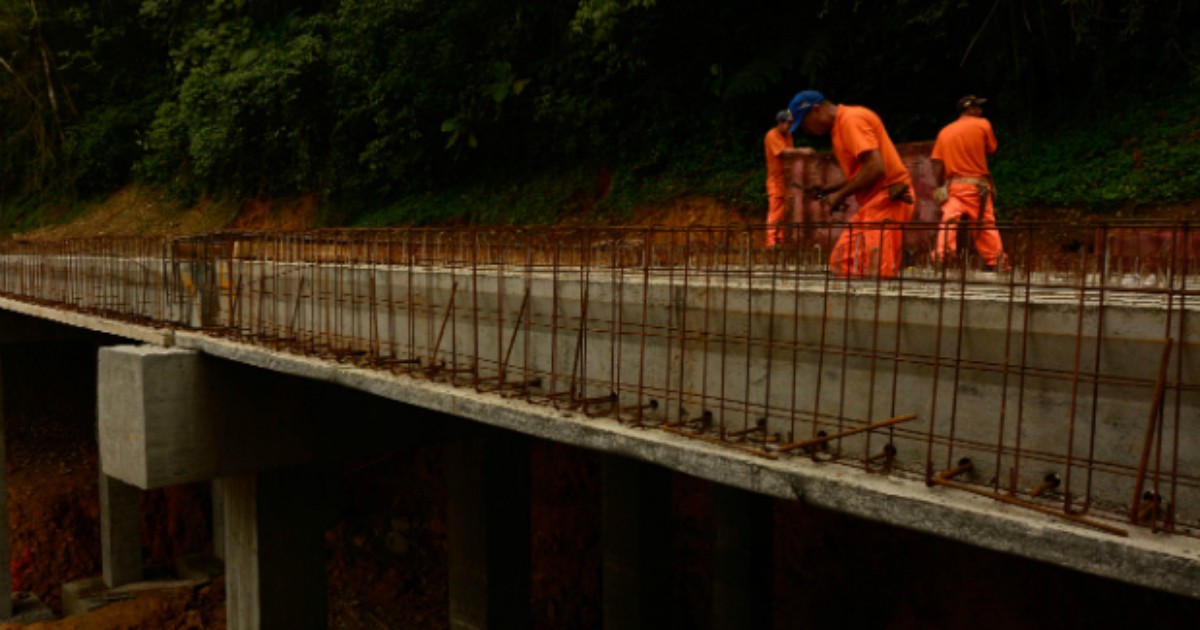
(1143, 155)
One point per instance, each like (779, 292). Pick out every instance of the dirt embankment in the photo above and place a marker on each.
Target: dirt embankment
(141, 211)
(137, 211)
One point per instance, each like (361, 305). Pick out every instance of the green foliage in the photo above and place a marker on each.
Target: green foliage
(1142, 155)
(381, 106)
(250, 114)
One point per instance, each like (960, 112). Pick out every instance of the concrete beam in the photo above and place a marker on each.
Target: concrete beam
(58, 324)
(218, 520)
(637, 514)
(19, 328)
(169, 416)
(489, 537)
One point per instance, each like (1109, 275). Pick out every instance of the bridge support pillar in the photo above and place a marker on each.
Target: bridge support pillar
(274, 565)
(637, 510)
(218, 519)
(6, 606)
(742, 557)
(120, 531)
(489, 537)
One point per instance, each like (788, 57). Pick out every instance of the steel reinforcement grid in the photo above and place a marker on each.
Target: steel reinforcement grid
(1063, 379)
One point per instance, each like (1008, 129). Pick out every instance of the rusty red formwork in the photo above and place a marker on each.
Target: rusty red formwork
(1030, 370)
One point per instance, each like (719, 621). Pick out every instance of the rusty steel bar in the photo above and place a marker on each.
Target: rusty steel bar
(1049, 482)
(1151, 425)
(847, 433)
(946, 478)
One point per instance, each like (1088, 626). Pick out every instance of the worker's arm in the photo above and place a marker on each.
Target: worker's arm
(798, 151)
(871, 171)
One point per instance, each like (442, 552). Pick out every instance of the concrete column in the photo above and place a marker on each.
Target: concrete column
(637, 512)
(274, 547)
(742, 558)
(120, 531)
(6, 607)
(488, 482)
(218, 519)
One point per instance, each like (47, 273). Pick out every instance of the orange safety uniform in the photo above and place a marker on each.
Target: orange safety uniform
(774, 144)
(963, 147)
(871, 243)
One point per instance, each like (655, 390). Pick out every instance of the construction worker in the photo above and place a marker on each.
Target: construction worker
(778, 146)
(965, 187)
(872, 172)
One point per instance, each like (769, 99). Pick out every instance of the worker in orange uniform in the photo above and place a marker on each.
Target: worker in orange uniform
(965, 186)
(872, 172)
(778, 145)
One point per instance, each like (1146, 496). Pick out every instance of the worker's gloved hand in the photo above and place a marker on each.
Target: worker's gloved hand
(940, 194)
(899, 192)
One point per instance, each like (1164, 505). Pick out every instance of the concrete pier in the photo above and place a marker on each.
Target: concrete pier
(637, 511)
(6, 599)
(489, 535)
(120, 531)
(275, 566)
(742, 557)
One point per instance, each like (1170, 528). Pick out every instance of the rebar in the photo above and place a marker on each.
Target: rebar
(1030, 367)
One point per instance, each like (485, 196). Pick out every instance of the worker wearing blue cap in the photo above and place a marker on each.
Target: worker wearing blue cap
(872, 172)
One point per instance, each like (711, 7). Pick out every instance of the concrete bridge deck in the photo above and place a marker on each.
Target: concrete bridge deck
(710, 360)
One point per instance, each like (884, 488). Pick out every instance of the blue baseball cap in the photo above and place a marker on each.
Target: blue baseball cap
(801, 104)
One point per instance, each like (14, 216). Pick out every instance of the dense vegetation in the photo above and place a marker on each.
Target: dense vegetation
(512, 110)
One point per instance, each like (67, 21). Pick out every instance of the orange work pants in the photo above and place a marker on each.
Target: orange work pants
(871, 244)
(963, 203)
(777, 213)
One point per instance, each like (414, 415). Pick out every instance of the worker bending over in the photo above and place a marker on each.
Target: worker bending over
(872, 172)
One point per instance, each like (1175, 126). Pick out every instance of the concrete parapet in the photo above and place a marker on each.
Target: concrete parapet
(1025, 380)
